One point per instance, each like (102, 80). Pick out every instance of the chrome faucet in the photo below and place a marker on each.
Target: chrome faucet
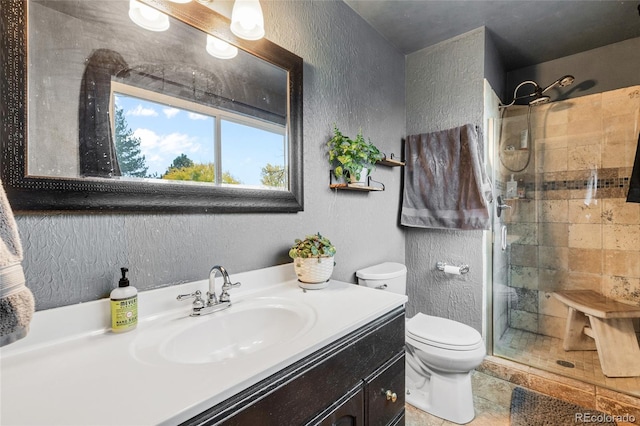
(213, 303)
(226, 285)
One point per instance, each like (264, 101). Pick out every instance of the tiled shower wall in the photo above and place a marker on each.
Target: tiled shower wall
(573, 229)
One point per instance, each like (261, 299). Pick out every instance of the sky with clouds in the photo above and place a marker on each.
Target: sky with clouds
(166, 132)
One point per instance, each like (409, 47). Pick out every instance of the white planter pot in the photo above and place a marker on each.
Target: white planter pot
(313, 271)
(364, 175)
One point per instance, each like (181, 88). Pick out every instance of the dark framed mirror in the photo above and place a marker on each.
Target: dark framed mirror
(89, 98)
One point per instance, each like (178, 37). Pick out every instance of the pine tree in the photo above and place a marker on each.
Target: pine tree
(132, 162)
(181, 161)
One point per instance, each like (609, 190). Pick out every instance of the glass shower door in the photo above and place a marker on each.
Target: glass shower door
(513, 225)
(563, 171)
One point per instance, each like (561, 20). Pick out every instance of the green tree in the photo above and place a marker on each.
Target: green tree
(274, 176)
(228, 178)
(196, 173)
(181, 161)
(130, 158)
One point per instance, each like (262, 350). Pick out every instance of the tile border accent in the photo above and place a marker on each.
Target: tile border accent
(564, 388)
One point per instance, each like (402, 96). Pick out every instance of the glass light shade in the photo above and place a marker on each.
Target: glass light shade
(180, 1)
(147, 17)
(246, 19)
(220, 49)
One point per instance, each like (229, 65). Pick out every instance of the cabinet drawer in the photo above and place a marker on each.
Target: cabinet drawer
(349, 411)
(381, 409)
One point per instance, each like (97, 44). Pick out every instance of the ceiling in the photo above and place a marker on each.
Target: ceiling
(525, 32)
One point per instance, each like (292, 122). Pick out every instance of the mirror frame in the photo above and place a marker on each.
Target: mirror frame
(32, 193)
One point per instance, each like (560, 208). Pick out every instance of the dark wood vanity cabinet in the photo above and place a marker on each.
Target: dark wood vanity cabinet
(357, 380)
(385, 391)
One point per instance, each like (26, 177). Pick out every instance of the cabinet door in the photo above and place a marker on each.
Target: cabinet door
(349, 413)
(385, 393)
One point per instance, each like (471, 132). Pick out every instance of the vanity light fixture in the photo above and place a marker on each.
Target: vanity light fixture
(246, 19)
(220, 49)
(147, 17)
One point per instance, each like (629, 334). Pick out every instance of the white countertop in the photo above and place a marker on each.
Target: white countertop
(72, 370)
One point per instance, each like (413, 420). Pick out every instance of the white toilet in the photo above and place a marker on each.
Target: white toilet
(441, 353)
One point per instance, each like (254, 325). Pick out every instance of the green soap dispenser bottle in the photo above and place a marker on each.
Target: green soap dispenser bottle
(124, 305)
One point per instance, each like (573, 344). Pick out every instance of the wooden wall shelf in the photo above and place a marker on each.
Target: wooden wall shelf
(353, 187)
(391, 162)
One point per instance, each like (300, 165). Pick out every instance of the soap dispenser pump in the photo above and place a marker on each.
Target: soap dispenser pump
(512, 188)
(124, 305)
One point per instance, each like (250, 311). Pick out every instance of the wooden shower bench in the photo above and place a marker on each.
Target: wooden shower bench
(596, 322)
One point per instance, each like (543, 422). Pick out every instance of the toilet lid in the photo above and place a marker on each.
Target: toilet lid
(383, 271)
(442, 332)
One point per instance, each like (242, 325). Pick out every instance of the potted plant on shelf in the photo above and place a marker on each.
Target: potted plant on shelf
(313, 260)
(349, 157)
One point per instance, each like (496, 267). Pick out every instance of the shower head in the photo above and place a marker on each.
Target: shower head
(537, 97)
(562, 82)
(543, 99)
(566, 80)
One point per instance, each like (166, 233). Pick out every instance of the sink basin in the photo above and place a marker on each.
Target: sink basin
(247, 328)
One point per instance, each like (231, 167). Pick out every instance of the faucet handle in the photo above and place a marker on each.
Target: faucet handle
(228, 285)
(224, 296)
(198, 303)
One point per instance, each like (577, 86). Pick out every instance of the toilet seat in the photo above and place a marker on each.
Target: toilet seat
(443, 333)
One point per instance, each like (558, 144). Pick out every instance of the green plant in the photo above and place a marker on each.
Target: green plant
(312, 246)
(349, 157)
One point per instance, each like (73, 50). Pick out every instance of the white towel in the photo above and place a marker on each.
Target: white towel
(16, 300)
(445, 183)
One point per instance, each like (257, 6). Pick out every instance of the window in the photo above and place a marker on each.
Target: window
(162, 137)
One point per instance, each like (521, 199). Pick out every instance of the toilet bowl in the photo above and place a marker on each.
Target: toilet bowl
(440, 353)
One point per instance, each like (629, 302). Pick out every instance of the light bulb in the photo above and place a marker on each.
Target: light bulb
(147, 17)
(148, 13)
(220, 49)
(246, 19)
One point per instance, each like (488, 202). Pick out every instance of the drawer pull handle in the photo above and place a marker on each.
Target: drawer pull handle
(391, 396)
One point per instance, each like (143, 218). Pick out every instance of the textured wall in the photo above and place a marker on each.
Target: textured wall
(445, 90)
(494, 68)
(352, 77)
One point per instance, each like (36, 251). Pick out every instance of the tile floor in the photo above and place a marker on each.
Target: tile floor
(543, 352)
(535, 367)
(490, 402)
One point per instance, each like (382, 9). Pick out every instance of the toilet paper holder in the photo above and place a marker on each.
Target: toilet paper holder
(452, 269)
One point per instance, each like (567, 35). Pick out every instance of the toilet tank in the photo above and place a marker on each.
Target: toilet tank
(388, 276)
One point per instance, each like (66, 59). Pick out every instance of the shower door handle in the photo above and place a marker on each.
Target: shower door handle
(503, 238)
(501, 206)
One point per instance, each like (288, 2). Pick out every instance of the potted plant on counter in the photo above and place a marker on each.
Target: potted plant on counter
(349, 157)
(313, 261)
